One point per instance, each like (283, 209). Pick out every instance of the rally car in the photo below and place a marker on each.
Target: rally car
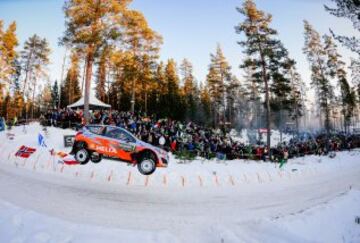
(94, 142)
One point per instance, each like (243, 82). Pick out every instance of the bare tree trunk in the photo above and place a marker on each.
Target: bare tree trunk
(33, 100)
(83, 77)
(267, 101)
(62, 78)
(327, 118)
(132, 109)
(28, 72)
(146, 102)
(89, 64)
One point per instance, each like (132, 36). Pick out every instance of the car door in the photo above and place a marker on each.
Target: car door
(122, 142)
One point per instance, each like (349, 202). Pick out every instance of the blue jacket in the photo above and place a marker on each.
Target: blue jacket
(2, 125)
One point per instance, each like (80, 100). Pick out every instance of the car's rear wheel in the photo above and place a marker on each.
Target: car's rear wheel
(82, 156)
(146, 164)
(95, 157)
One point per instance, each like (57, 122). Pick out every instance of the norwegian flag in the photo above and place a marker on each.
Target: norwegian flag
(25, 152)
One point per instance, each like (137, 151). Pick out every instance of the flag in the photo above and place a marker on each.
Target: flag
(41, 141)
(64, 158)
(25, 152)
(70, 160)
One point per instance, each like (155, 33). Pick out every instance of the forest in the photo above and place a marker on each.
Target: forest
(113, 46)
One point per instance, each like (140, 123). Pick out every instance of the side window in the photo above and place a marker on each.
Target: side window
(117, 133)
(112, 132)
(127, 137)
(96, 129)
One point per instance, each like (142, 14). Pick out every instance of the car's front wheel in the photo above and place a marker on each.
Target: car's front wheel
(82, 156)
(146, 165)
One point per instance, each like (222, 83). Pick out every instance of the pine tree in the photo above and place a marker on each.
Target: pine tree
(5, 106)
(71, 88)
(281, 88)
(348, 9)
(143, 43)
(8, 55)
(297, 96)
(18, 103)
(101, 76)
(252, 97)
(92, 26)
(35, 58)
(190, 90)
(161, 89)
(355, 77)
(55, 95)
(46, 97)
(336, 69)
(147, 79)
(317, 57)
(233, 98)
(263, 51)
(172, 95)
(218, 77)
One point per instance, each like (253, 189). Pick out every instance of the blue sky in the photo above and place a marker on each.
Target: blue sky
(190, 28)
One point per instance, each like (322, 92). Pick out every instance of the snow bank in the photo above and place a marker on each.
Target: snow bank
(201, 201)
(198, 173)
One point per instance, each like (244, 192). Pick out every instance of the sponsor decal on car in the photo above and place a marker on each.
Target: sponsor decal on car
(105, 149)
(126, 147)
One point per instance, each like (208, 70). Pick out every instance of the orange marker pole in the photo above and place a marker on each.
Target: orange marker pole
(258, 176)
(146, 180)
(165, 180)
(201, 181)
(217, 180)
(232, 180)
(34, 165)
(183, 181)
(23, 165)
(129, 179)
(110, 176)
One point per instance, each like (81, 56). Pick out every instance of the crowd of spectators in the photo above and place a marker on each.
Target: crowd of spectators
(187, 139)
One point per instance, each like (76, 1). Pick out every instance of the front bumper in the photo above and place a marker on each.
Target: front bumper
(163, 162)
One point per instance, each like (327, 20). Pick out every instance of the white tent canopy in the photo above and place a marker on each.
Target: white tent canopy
(94, 103)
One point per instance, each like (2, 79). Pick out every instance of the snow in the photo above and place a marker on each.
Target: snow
(333, 221)
(19, 225)
(312, 199)
(247, 136)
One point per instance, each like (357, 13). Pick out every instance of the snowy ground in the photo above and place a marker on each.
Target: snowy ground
(313, 199)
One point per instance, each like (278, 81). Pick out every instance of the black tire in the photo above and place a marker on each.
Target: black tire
(146, 164)
(95, 158)
(82, 156)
